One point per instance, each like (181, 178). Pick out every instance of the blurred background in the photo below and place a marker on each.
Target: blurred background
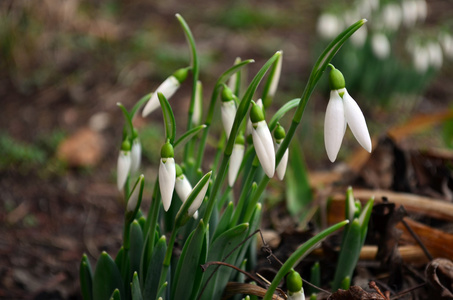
(64, 64)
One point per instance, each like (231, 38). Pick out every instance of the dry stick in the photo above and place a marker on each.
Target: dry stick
(373, 285)
(408, 291)
(416, 237)
(221, 263)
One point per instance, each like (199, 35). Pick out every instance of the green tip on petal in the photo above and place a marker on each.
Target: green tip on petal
(126, 145)
(293, 281)
(167, 150)
(256, 114)
(279, 132)
(336, 79)
(134, 133)
(179, 171)
(227, 94)
(181, 74)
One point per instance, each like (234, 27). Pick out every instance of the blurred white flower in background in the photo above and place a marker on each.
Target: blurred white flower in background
(380, 45)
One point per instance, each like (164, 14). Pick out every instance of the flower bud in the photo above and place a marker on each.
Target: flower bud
(293, 281)
(167, 174)
(236, 159)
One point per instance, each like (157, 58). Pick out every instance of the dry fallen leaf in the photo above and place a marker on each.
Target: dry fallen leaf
(439, 274)
(354, 293)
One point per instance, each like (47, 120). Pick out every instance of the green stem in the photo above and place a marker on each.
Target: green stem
(167, 259)
(297, 255)
(243, 197)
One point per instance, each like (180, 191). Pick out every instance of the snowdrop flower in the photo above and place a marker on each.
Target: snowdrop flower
(200, 196)
(276, 72)
(249, 127)
(183, 187)
(233, 79)
(294, 285)
(124, 164)
(167, 88)
(198, 106)
(380, 45)
(134, 197)
(342, 110)
(329, 26)
(410, 12)
(279, 135)
(228, 110)
(435, 55)
(420, 58)
(136, 155)
(236, 159)
(167, 174)
(262, 140)
(447, 44)
(391, 16)
(422, 10)
(359, 37)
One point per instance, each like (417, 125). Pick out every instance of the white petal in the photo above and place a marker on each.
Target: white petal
(136, 156)
(410, 12)
(380, 45)
(281, 168)
(276, 78)
(356, 121)
(235, 163)
(264, 147)
(167, 179)
(297, 296)
(198, 109)
(198, 199)
(359, 37)
(133, 199)
(228, 110)
(123, 167)
(329, 26)
(334, 125)
(183, 187)
(168, 88)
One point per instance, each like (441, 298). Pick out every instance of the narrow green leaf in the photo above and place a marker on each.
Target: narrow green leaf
(169, 118)
(86, 278)
(119, 259)
(300, 252)
(349, 254)
(136, 246)
(135, 288)
(115, 295)
(364, 219)
(106, 278)
(139, 104)
(222, 246)
(315, 278)
(224, 222)
(188, 135)
(281, 112)
(154, 269)
(188, 263)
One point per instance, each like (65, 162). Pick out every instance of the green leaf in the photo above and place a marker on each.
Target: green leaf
(183, 285)
(282, 111)
(349, 254)
(120, 260)
(300, 252)
(86, 278)
(188, 135)
(364, 219)
(135, 288)
(139, 104)
(115, 295)
(154, 269)
(136, 246)
(298, 191)
(224, 222)
(169, 118)
(106, 278)
(222, 246)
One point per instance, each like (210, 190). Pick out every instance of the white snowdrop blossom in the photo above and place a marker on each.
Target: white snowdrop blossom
(420, 58)
(446, 41)
(133, 199)
(359, 37)
(262, 141)
(329, 26)
(123, 168)
(193, 208)
(276, 78)
(422, 10)
(392, 16)
(235, 162)
(167, 88)
(198, 105)
(410, 12)
(136, 155)
(297, 295)
(342, 110)
(183, 189)
(167, 180)
(228, 110)
(380, 45)
(249, 127)
(435, 55)
(282, 165)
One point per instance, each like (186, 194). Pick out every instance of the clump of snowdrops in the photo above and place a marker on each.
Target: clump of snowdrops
(194, 209)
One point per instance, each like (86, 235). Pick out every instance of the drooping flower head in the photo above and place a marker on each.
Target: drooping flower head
(294, 285)
(279, 135)
(228, 109)
(262, 140)
(236, 159)
(167, 174)
(167, 88)
(136, 153)
(182, 186)
(342, 110)
(124, 164)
